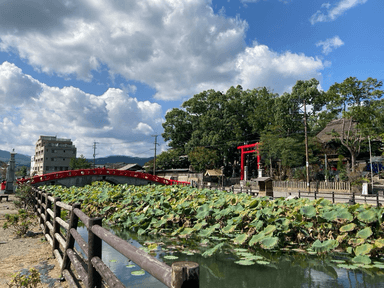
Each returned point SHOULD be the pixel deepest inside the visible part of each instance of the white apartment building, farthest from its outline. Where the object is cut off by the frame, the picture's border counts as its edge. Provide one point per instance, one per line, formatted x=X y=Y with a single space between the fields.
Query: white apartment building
x=52 y=154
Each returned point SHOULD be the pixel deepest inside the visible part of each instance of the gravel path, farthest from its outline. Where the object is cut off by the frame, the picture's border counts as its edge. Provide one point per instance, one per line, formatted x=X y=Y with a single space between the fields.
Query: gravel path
x=22 y=254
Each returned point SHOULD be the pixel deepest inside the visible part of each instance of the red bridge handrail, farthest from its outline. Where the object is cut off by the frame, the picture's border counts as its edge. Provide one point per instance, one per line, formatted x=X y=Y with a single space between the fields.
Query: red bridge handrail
x=100 y=171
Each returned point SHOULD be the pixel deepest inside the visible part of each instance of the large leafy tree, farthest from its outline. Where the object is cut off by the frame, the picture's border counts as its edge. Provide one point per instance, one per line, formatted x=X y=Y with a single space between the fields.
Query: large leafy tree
x=79 y=163
x=220 y=121
x=203 y=158
x=358 y=103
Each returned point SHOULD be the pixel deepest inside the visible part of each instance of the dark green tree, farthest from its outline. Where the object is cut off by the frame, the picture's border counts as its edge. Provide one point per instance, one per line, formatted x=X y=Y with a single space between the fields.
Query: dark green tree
x=79 y=163
x=203 y=158
x=358 y=103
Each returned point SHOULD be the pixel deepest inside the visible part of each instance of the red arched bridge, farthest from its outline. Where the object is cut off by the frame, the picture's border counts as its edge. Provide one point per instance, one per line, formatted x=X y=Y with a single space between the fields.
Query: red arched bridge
x=84 y=177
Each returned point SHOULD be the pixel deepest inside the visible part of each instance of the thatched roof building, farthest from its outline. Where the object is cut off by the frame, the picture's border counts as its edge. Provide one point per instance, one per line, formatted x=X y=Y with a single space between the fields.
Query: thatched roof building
x=326 y=136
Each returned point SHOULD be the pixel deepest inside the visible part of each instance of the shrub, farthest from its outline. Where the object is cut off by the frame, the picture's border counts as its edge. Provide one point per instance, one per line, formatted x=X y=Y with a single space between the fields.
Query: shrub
x=20 y=222
x=29 y=280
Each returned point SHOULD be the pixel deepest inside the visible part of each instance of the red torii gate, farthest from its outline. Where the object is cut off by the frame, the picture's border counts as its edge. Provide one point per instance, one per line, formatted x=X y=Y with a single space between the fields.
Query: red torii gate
x=246 y=149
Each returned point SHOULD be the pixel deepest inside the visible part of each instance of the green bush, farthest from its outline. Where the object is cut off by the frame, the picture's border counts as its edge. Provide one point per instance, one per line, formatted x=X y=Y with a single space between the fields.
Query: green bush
x=20 y=222
x=29 y=280
x=25 y=197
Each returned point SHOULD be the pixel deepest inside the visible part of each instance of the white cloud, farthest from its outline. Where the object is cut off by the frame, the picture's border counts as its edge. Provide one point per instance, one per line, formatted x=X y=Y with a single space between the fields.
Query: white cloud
x=330 y=44
x=258 y=66
x=71 y=113
x=176 y=47
x=334 y=12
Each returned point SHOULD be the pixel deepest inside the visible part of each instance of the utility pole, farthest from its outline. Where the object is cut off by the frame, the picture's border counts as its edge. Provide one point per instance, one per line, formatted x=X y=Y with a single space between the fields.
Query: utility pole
x=370 y=160
x=94 y=154
x=306 y=146
x=154 y=159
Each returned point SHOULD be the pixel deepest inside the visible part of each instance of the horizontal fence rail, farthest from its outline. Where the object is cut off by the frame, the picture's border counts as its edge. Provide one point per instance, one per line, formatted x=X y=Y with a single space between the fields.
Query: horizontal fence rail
x=321 y=185
x=92 y=271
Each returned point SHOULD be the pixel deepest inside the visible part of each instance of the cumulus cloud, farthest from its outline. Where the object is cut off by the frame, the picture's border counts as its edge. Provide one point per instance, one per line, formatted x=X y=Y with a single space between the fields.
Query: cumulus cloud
x=175 y=47
x=333 y=12
x=37 y=109
x=259 y=66
x=330 y=44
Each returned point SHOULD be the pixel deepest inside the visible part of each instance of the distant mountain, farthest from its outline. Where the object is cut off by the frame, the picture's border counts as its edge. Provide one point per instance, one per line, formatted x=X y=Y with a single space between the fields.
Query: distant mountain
x=117 y=159
x=20 y=159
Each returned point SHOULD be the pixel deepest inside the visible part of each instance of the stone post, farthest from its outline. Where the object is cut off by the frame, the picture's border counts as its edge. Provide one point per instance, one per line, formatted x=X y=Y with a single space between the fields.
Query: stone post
x=10 y=174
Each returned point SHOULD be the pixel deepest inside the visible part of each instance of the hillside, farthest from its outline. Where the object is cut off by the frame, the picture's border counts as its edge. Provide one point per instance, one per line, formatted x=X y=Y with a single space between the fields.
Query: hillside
x=120 y=158
x=20 y=159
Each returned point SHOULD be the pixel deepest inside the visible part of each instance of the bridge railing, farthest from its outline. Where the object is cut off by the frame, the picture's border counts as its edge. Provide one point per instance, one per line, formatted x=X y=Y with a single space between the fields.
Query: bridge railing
x=92 y=271
x=99 y=171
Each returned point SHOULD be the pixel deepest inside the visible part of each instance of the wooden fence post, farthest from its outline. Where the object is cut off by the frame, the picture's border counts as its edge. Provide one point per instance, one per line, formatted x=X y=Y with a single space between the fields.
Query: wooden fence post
x=315 y=195
x=185 y=274
x=94 y=250
x=48 y=205
x=333 y=196
x=377 y=200
x=70 y=241
x=299 y=194
x=56 y=225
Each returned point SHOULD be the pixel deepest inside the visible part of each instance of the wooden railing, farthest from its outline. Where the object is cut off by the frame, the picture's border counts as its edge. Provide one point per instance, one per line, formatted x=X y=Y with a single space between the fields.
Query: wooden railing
x=318 y=186
x=92 y=271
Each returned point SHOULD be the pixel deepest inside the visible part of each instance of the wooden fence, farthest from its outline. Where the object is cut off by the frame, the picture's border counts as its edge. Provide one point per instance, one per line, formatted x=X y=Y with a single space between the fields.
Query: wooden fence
x=321 y=186
x=371 y=199
x=92 y=271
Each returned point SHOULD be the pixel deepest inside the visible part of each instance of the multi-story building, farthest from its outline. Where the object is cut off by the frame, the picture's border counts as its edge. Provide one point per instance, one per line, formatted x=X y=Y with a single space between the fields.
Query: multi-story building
x=52 y=154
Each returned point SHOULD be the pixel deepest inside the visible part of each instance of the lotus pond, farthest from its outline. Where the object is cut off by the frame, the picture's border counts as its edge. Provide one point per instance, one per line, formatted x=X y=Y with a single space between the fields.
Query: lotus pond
x=244 y=238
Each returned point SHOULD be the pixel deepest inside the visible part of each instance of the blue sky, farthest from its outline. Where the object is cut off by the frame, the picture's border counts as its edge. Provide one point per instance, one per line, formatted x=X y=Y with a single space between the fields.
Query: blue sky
x=108 y=71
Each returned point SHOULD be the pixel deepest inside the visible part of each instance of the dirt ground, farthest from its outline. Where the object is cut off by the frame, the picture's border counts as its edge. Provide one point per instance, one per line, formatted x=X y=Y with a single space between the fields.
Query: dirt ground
x=22 y=254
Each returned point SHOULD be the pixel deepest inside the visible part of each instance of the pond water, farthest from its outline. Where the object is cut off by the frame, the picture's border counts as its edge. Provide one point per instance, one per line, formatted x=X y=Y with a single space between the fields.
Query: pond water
x=221 y=271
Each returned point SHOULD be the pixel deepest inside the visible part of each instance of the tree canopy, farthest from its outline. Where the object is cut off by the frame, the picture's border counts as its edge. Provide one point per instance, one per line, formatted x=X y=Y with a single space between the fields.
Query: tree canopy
x=212 y=124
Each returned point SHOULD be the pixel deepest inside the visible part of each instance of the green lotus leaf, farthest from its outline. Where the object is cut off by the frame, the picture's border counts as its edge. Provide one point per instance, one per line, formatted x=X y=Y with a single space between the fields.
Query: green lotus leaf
x=269 y=229
x=253 y=203
x=256 y=239
x=263 y=262
x=363 y=249
x=347 y=266
x=200 y=225
x=258 y=224
x=207 y=232
x=362 y=259
x=245 y=262
x=325 y=246
x=344 y=215
x=269 y=242
x=228 y=229
x=152 y=246
x=349 y=250
x=338 y=261
x=367 y=216
x=379 y=243
x=130 y=266
x=365 y=233
x=308 y=211
x=171 y=257
x=379 y=265
x=356 y=241
x=330 y=215
x=186 y=231
x=213 y=250
x=348 y=227
x=203 y=211
x=138 y=272
x=240 y=239
x=249 y=256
